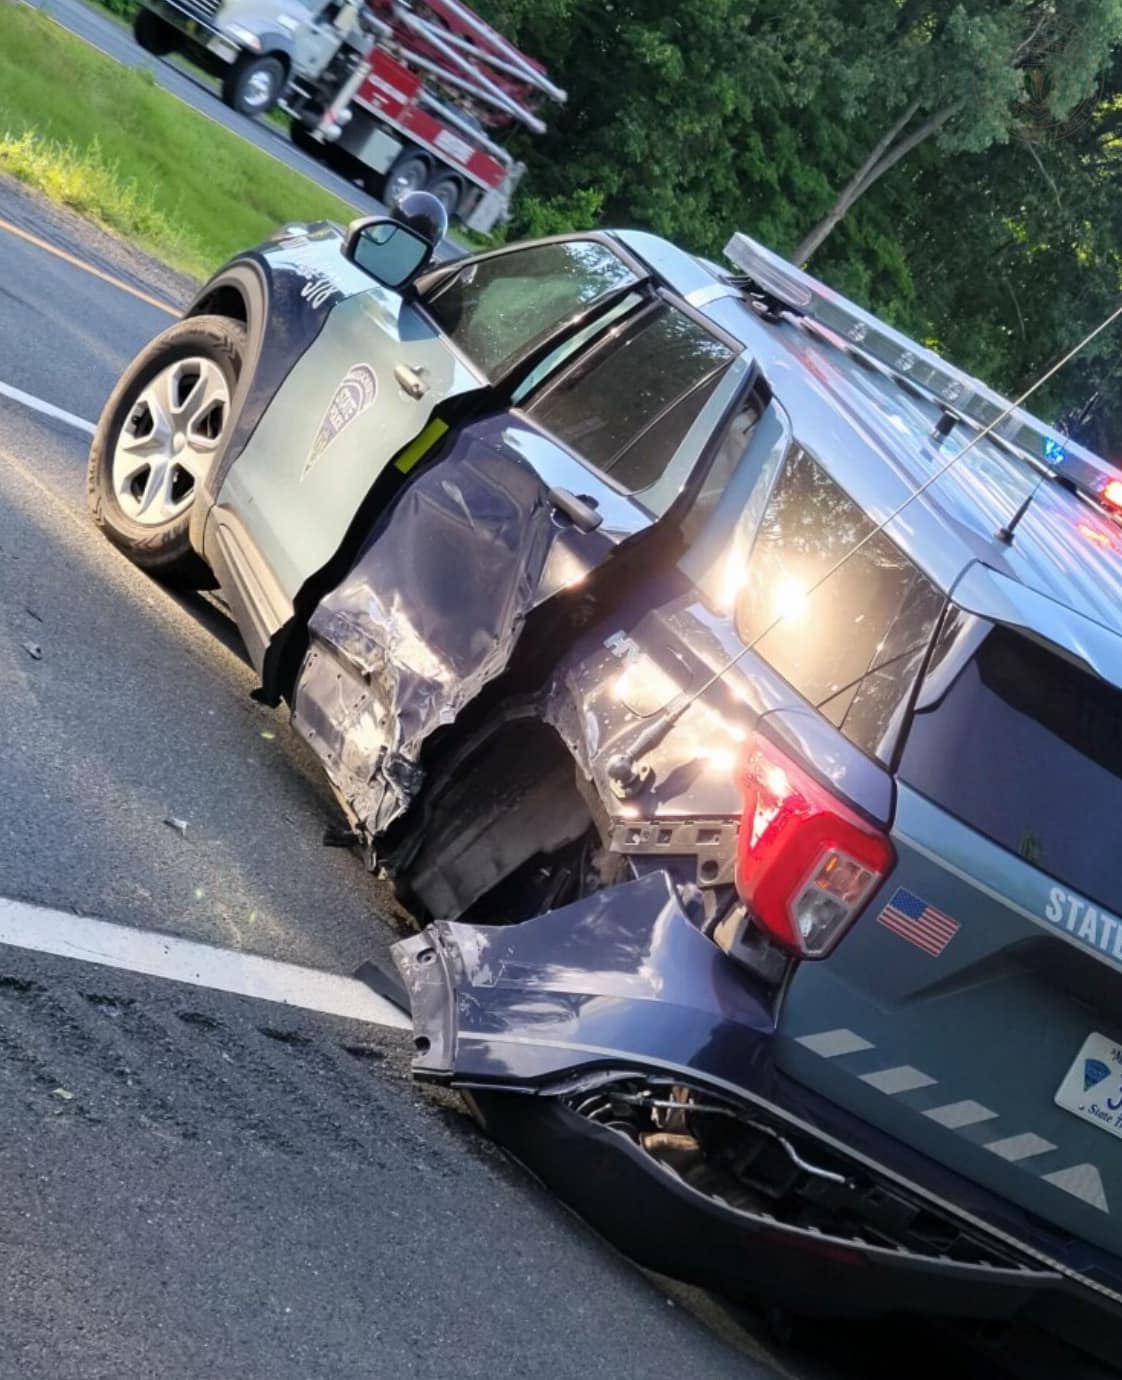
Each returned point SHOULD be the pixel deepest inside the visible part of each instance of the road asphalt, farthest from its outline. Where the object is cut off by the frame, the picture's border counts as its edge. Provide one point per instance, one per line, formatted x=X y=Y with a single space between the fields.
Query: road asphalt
x=198 y=1184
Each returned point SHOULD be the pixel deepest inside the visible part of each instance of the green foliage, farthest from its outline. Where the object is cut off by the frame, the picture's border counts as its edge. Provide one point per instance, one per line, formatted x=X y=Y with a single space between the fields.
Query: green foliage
x=534 y=217
x=997 y=238
x=86 y=181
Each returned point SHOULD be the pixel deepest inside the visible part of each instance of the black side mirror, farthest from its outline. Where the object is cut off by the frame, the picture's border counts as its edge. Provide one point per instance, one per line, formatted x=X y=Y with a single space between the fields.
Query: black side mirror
x=390 y=252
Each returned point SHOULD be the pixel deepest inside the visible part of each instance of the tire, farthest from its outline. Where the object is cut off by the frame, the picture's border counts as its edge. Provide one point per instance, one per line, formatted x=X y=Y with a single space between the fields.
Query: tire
x=301 y=137
x=156 y=439
x=409 y=173
x=254 y=84
x=448 y=190
x=153 y=34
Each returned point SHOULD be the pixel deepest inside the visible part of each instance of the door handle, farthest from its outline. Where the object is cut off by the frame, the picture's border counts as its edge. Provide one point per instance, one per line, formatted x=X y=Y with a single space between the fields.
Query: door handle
x=581 y=511
x=410 y=381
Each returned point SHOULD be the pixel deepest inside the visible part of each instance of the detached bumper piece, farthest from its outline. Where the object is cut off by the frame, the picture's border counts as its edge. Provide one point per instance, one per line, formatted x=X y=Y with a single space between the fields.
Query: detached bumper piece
x=627 y=1061
x=623 y=973
x=695 y=1189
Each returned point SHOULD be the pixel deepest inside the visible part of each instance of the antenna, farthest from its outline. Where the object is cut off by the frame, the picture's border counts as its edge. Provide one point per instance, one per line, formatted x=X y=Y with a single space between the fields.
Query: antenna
x=1005 y=534
x=622 y=772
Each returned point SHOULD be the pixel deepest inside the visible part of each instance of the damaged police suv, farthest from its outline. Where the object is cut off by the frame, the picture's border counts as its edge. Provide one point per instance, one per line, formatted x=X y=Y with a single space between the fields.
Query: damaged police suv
x=734 y=690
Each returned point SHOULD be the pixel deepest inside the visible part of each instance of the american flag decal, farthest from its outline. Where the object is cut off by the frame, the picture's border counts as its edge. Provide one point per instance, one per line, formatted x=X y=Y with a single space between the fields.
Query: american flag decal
x=909 y=916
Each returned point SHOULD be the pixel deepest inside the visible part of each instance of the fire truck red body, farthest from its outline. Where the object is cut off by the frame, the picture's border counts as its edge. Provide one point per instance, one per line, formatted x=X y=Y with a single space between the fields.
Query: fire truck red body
x=395 y=94
x=404 y=96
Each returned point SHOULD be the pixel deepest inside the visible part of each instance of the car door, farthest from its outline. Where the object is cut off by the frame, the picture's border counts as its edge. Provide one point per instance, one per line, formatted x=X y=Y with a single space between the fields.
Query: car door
x=521 y=504
x=367 y=387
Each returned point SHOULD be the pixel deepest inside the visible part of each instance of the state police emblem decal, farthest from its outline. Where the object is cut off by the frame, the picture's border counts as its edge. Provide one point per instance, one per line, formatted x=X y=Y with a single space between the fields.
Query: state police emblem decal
x=354 y=395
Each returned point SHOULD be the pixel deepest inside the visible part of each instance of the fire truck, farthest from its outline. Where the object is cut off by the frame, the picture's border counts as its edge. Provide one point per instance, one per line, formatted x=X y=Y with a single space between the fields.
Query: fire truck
x=394 y=95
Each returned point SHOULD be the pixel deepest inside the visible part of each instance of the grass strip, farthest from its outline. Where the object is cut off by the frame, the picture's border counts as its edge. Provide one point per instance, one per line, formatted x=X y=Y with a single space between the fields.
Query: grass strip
x=105 y=140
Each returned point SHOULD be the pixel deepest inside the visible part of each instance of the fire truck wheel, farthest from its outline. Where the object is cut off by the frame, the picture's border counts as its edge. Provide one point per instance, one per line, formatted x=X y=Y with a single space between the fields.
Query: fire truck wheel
x=254 y=84
x=408 y=174
x=301 y=136
x=153 y=34
x=448 y=191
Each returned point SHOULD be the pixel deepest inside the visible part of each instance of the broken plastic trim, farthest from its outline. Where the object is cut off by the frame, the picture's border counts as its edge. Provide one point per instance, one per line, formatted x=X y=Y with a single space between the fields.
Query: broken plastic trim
x=745 y=1161
x=633 y=1194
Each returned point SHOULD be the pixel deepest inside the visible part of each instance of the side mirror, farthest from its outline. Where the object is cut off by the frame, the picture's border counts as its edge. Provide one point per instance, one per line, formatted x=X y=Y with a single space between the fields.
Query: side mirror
x=390 y=252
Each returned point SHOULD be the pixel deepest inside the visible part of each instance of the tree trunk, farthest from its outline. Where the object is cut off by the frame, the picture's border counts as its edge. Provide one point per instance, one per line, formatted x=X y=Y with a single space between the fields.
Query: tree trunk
x=887 y=153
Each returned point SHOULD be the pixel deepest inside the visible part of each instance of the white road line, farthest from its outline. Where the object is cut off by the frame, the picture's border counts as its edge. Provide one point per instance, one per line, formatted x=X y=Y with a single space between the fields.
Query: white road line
x=46 y=408
x=183 y=960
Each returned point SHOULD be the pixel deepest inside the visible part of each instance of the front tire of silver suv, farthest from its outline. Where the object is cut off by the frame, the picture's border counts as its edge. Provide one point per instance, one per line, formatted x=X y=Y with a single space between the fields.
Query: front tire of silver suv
x=157 y=439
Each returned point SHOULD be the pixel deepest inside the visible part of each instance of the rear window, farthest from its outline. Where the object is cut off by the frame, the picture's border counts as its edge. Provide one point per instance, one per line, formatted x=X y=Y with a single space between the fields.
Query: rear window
x=626 y=406
x=855 y=645
x=1027 y=748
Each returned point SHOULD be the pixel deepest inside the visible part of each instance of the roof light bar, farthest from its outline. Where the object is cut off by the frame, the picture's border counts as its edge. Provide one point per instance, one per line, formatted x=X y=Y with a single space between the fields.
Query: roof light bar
x=956 y=390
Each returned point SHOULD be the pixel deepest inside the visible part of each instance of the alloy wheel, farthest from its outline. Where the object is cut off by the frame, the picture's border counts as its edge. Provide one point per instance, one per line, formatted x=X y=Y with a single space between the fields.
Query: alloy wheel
x=169 y=440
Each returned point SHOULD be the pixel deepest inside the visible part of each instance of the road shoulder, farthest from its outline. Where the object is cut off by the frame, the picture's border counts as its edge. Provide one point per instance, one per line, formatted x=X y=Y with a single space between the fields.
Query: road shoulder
x=71 y=233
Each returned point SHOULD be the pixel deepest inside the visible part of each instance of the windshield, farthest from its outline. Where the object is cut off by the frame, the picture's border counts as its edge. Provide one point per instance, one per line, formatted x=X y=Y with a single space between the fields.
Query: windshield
x=1027 y=748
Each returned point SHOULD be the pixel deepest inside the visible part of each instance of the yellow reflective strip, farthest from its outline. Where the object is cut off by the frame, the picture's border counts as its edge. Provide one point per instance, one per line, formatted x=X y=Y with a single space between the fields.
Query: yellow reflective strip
x=86 y=268
x=418 y=449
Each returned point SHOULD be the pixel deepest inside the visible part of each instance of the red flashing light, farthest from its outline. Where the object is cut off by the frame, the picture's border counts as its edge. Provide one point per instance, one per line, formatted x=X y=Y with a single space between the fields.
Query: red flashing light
x=1111 y=495
x=806 y=863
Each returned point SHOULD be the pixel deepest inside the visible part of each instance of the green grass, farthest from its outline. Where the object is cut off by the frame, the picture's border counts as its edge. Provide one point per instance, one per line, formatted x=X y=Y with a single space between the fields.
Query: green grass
x=105 y=140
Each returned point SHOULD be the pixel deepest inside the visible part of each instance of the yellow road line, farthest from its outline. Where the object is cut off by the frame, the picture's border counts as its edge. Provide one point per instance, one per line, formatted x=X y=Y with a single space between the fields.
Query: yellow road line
x=86 y=268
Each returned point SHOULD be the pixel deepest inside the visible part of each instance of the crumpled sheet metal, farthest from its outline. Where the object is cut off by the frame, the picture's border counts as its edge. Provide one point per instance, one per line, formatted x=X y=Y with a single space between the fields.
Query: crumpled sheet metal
x=403 y=644
x=622 y=976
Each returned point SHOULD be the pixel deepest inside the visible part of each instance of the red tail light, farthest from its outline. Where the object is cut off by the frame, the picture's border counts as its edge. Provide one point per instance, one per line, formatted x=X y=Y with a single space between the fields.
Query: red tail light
x=806 y=863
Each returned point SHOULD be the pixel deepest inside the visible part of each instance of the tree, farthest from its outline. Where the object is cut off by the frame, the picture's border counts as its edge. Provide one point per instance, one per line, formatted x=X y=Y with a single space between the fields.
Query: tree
x=995 y=237
x=691 y=117
x=969 y=73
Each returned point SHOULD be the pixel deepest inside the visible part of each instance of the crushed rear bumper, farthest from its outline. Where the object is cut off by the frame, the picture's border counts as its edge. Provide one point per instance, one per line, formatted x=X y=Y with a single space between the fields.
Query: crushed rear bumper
x=662 y=1222
x=604 y=1042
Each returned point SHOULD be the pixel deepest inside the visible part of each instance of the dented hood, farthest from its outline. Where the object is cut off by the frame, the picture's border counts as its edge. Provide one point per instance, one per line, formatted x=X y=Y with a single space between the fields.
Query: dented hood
x=621 y=977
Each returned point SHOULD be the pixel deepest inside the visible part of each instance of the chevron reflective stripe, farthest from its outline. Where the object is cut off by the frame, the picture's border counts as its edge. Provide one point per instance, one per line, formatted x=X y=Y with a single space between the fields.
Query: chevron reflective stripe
x=1022 y=1147
x=898 y=1080
x=833 y=1043
x=1082 y=1181
x=955 y=1115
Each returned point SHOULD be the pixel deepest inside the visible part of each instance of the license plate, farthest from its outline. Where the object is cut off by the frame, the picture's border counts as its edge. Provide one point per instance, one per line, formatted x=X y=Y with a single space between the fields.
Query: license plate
x=220 y=48
x=1092 y=1087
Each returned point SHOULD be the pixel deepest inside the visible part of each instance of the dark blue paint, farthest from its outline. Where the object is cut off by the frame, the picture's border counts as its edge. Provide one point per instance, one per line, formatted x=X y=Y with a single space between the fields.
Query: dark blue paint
x=624 y=980
x=283 y=323
x=622 y=977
